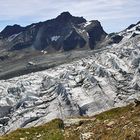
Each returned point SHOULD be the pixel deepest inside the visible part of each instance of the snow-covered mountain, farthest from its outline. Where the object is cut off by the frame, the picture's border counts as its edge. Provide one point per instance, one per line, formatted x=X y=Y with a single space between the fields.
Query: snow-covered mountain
x=101 y=80
x=132 y=31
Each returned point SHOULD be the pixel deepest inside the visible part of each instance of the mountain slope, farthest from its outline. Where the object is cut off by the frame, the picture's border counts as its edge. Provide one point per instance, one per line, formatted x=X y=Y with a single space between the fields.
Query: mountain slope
x=116 y=124
x=101 y=80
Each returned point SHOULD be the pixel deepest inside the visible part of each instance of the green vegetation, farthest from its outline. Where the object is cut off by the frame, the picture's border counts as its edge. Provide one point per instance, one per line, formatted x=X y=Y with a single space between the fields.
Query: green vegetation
x=114 y=113
x=116 y=124
x=49 y=131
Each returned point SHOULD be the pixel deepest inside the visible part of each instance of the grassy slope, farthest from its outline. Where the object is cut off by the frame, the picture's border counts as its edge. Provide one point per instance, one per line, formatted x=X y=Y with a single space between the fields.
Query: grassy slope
x=50 y=131
x=116 y=124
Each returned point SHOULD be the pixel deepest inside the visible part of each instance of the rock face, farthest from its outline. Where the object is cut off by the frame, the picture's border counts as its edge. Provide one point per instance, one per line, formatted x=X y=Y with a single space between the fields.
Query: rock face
x=34 y=43
x=54 y=35
x=10 y=30
x=98 y=82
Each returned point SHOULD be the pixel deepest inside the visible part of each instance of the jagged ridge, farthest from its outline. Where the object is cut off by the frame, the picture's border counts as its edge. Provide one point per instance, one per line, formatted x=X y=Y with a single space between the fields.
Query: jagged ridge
x=56 y=34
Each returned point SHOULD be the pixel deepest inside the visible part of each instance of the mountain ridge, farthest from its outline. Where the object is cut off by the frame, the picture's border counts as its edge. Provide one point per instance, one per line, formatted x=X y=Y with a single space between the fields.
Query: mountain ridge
x=42 y=34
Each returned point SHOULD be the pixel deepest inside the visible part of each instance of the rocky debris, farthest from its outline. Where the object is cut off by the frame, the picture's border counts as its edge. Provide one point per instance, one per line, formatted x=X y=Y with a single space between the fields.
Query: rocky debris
x=4 y=120
x=22 y=138
x=85 y=136
x=116 y=38
x=5 y=110
x=76 y=121
x=137 y=102
x=4 y=57
x=110 y=124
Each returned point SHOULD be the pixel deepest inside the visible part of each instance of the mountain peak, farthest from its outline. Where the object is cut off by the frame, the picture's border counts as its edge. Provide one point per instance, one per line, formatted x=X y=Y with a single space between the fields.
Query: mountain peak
x=67 y=17
x=55 y=34
x=65 y=14
x=10 y=30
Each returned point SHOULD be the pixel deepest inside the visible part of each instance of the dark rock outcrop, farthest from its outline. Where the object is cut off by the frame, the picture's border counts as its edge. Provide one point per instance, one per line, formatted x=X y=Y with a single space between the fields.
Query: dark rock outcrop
x=64 y=33
x=10 y=30
x=96 y=33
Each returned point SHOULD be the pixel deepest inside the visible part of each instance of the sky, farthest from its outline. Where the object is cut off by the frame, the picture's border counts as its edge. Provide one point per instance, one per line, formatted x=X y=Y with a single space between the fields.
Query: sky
x=114 y=15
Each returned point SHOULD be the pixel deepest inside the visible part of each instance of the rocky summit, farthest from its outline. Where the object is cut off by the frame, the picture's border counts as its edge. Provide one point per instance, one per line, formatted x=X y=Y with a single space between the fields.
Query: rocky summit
x=63 y=33
x=65 y=67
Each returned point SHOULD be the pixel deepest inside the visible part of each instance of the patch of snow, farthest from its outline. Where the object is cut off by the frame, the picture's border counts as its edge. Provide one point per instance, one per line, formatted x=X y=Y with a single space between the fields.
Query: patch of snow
x=87 y=34
x=55 y=38
x=44 y=52
x=13 y=37
x=133 y=28
x=81 y=31
x=80 y=96
x=108 y=47
x=33 y=26
x=137 y=32
x=87 y=23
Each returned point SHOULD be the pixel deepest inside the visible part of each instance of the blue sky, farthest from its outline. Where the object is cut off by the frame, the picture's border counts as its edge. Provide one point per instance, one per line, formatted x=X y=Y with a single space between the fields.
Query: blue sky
x=114 y=15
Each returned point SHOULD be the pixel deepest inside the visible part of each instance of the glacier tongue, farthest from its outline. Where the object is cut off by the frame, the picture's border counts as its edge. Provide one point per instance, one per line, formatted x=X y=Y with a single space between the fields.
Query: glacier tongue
x=93 y=84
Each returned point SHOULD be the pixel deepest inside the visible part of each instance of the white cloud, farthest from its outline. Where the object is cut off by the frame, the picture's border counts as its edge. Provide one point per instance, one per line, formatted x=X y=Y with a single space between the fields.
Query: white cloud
x=35 y=10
